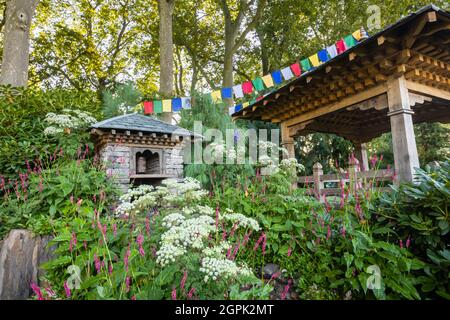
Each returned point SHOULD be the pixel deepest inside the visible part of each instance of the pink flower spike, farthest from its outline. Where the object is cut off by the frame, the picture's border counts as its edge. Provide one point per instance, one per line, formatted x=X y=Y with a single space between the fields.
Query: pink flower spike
x=401 y=243
x=217 y=217
x=191 y=293
x=174 y=294
x=289 y=252
x=408 y=242
x=67 y=290
x=183 y=280
x=147 y=225
x=127 y=284
x=37 y=291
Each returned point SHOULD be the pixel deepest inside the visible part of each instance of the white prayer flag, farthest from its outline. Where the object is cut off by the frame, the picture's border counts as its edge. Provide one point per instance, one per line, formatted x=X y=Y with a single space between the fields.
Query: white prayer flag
x=287 y=73
x=332 y=51
x=238 y=93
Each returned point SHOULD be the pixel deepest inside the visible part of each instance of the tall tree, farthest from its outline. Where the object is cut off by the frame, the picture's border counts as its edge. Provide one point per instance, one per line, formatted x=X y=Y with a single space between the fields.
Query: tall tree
x=165 y=8
x=18 y=17
x=234 y=37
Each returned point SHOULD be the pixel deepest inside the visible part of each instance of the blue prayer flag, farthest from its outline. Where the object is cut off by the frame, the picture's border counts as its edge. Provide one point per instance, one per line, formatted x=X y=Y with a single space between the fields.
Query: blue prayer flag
x=323 y=55
x=176 y=104
x=276 y=76
x=227 y=93
x=237 y=108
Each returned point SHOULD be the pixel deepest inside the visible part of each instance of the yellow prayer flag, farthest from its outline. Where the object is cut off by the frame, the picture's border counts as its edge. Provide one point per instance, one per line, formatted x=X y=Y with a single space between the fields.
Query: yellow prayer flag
x=245 y=105
x=314 y=60
x=167 y=105
x=268 y=81
x=357 y=34
x=216 y=96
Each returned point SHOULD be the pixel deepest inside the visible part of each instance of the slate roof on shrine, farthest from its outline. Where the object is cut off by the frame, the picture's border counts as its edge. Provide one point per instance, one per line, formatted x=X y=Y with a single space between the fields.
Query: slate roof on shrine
x=139 y=122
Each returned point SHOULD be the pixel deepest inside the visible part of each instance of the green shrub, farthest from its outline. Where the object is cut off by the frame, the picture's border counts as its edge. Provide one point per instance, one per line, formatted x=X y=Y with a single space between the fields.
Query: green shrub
x=22 y=122
x=417 y=215
x=159 y=244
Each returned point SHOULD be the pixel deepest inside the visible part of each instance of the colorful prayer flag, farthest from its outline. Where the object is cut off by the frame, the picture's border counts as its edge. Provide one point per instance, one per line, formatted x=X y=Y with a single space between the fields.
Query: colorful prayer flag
x=247 y=87
x=332 y=51
x=323 y=55
x=287 y=73
x=306 y=66
x=216 y=96
x=237 y=90
x=350 y=41
x=314 y=60
x=167 y=105
x=186 y=102
x=245 y=105
x=227 y=93
x=267 y=79
x=340 y=46
x=176 y=104
x=296 y=69
x=157 y=106
x=276 y=76
x=357 y=35
x=258 y=84
x=148 y=107
x=230 y=110
x=237 y=108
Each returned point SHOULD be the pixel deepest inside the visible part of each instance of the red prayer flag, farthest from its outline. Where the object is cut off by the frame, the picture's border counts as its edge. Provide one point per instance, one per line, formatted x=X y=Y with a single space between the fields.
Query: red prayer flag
x=247 y=87
x=340 y=46
x=296 y=69
x=148 y=107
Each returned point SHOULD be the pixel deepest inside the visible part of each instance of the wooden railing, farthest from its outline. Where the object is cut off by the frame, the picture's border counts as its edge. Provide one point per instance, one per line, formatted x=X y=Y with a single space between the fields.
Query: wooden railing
x=352 y=178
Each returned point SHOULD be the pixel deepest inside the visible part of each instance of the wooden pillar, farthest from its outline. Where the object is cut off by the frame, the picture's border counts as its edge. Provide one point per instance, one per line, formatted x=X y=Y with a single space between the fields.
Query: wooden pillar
x=403 y=140
x=287 y=142
x=318 y=183
x=361 y=155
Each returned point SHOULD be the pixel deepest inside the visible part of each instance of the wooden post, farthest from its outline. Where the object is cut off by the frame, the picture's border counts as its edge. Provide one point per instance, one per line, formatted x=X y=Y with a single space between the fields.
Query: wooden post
x=403 y=139
x=361 y=155
x=353 y=168
x=287 y=142
x=318 y=184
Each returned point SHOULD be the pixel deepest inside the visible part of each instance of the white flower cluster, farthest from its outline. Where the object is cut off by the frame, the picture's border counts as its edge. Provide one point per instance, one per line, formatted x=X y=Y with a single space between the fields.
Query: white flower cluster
x=138 y=205
x=270 y=146
x=171 y=192
x=202 y=210
x=51 y=131
x=71 y=119
x=291 y=164
x=136 y=192
x=173 y=219
x=242 y=221
x=217 y=251
x=214 y=268
x=189 y=233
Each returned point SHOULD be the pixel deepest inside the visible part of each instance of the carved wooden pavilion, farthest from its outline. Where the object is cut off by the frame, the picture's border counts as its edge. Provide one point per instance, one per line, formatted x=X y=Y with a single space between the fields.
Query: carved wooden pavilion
x=390 y=81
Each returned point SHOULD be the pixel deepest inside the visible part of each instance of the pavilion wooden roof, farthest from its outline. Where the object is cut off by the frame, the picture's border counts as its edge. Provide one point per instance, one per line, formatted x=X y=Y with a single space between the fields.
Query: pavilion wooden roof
x=347 y=95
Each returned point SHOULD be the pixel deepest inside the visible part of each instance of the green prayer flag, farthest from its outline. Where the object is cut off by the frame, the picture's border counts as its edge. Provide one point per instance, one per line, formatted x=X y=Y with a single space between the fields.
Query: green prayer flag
x=157 y=106
x=350 y=41
x=306 y=66
x=258 y=84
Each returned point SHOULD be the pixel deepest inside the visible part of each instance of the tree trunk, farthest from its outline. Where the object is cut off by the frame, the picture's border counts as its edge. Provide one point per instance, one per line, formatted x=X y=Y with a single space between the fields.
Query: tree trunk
x=19 y=14
x=165 y=8
x=230 y=40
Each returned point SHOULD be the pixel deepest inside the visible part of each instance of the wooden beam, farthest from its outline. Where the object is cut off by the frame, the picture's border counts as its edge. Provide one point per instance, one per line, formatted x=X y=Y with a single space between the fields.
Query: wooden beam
x=428 y=90
x=416 y=29
x=364 y=95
